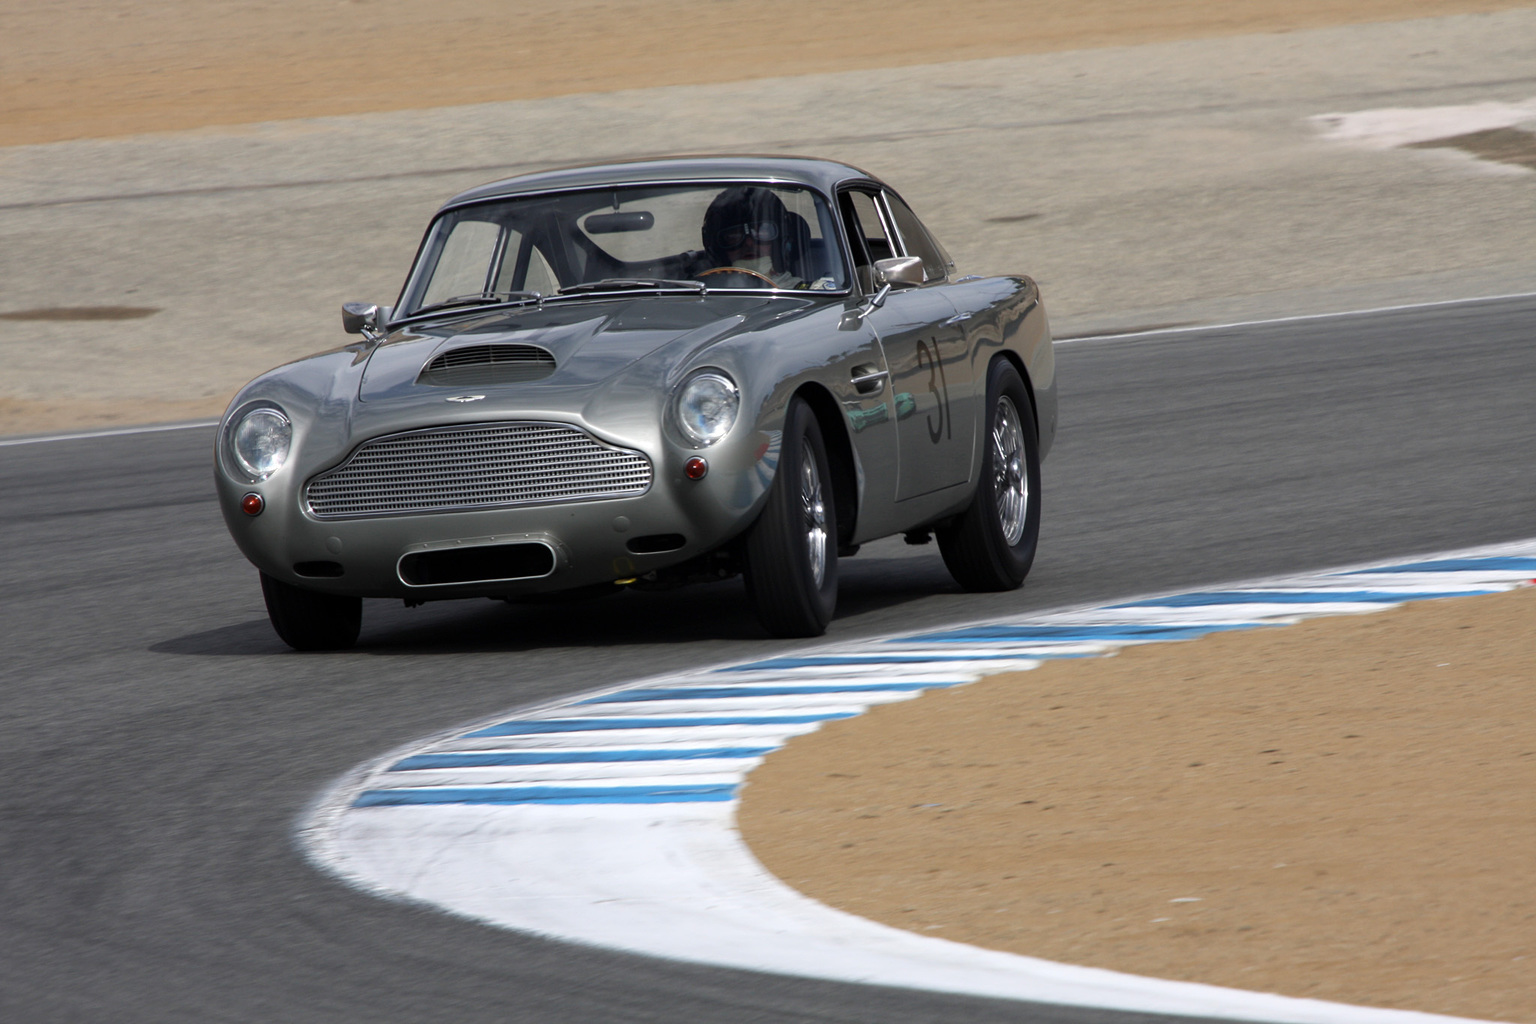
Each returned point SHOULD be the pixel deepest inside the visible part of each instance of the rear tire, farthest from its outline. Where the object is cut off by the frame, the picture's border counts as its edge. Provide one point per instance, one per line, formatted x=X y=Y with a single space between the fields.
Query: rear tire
x=991 y=545
x=309 y=621
x=791 y=551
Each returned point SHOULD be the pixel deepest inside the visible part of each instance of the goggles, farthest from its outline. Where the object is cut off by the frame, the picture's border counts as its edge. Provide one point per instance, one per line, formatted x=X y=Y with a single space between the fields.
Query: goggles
x=766 y=231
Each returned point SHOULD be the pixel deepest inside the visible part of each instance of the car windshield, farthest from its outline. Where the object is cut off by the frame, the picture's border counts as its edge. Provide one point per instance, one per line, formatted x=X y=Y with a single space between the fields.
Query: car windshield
x=682 y=238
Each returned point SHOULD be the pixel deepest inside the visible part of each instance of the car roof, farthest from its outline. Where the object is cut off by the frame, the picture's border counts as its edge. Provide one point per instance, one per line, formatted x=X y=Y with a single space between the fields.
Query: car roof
x=822 y=175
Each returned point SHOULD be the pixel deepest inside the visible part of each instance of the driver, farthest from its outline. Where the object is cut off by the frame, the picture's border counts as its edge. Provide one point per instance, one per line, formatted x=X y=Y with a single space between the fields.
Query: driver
x=745 y=228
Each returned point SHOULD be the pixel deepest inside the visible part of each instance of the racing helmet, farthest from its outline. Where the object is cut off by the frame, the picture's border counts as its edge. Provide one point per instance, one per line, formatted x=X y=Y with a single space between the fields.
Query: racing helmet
x=741 y=210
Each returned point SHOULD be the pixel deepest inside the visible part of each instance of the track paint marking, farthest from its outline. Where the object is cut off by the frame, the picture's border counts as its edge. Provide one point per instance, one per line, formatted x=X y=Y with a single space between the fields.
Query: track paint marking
x=703 y=692
x=1232 y=597
x=543 y=795
x=1517 y=565
x=1061 y=634
x=521 y=728
x=122 y=432
x=520 y=758
x=1274 y=321
x=878 y=660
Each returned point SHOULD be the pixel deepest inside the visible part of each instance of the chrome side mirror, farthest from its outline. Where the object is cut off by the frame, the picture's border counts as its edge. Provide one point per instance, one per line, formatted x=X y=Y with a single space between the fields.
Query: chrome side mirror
x=903 y=270
x=357 y=315
x=900 y=270
x=364 y=318
x=853 y=317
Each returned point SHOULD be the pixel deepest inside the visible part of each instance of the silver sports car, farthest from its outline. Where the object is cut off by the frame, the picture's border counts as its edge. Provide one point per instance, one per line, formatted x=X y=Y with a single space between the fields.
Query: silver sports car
x=644 y=375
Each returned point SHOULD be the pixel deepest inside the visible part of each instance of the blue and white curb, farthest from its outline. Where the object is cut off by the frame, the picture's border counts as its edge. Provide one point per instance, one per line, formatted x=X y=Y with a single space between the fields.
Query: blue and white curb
x=609 y=818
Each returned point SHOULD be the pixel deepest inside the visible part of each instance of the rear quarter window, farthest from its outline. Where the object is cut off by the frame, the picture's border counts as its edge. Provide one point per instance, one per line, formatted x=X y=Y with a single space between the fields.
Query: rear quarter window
x=916 y=240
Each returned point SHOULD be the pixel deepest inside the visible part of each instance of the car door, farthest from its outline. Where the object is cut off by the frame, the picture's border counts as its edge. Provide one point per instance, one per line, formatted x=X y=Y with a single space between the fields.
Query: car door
x=926 y=350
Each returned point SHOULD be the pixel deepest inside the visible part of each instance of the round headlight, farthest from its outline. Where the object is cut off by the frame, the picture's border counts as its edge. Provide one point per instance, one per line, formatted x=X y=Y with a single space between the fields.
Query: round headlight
x=707 y=407
x=260 y=442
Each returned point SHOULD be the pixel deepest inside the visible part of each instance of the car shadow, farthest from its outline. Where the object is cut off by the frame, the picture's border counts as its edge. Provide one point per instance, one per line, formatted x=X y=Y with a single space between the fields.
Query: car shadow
x=873 y=584
x=714 y=612
x=711 y=612
x=241 y=639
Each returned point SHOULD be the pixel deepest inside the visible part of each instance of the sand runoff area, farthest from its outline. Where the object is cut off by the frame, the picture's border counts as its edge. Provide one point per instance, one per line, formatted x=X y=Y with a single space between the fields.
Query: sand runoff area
x=1341 y=809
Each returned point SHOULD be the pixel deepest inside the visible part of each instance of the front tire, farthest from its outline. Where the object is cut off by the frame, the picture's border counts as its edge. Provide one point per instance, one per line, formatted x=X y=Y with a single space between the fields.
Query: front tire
x=308 y=621
x=991 y=545
x=791 y=551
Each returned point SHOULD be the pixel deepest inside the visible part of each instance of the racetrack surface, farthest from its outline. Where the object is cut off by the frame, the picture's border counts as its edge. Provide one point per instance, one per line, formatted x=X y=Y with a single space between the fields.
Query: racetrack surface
x=155 y=772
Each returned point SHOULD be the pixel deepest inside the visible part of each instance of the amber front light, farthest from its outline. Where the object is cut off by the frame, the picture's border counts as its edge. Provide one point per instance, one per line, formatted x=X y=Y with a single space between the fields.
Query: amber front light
x=252 y=504
x=695 y=468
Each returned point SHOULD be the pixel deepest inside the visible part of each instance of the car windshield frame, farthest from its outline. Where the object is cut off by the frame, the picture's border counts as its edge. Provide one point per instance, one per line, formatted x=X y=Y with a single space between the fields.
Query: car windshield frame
x=626 y=238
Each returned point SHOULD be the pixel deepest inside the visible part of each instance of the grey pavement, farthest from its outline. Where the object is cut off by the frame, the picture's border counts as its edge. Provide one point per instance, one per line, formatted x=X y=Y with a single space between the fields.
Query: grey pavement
x=1173 y=183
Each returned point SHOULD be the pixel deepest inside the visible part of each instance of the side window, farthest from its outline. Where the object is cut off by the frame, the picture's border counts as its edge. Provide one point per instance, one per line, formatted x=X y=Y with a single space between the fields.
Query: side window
x=872 y=226
x=464 y=261
x=916 y=240
x=866 y=231
x=540 y=276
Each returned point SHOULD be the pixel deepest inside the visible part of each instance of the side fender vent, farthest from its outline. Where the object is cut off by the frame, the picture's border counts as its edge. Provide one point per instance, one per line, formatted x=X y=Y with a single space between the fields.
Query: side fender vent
x=487 y=365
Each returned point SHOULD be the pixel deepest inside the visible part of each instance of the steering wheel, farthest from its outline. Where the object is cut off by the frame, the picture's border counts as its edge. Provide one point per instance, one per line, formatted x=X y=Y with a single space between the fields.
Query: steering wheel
x=737 y=270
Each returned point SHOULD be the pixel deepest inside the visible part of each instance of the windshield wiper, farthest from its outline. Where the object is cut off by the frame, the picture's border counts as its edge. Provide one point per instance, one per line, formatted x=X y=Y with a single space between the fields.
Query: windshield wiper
x=614 y=284
x=480 y=299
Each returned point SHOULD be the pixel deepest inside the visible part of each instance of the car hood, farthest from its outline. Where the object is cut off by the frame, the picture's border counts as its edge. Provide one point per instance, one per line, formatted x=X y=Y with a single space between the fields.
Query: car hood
x=590 y=341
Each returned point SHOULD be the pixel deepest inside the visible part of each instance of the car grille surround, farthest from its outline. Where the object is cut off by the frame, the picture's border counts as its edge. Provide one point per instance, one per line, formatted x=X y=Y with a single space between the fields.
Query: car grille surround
x=487 y=365
x=469 y=467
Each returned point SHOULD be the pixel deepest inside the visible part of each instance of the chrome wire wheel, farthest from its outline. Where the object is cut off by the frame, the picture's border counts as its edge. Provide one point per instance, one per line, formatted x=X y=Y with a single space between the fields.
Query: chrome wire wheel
x=991 y=545
x=790 y=552
x=1010 y=479
x=814 y=512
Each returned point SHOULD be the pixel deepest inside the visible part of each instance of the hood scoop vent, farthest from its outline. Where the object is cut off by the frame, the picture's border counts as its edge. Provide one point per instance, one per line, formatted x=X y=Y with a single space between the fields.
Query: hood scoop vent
x=487 y=365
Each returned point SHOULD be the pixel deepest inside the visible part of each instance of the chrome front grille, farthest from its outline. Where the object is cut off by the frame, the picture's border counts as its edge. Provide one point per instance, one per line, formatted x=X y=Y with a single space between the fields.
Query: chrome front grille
x=476 y=466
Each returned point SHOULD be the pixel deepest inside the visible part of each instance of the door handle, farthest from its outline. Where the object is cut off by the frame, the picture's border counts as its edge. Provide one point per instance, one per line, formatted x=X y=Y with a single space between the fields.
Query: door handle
x=958 y=318
x=869 y=379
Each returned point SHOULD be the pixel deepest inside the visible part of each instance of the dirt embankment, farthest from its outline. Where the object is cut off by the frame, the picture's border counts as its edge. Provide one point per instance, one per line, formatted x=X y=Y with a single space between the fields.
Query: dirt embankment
x=114 y=67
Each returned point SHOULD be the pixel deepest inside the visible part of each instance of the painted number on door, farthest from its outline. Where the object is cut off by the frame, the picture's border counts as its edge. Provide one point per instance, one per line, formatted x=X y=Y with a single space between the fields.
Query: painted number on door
x=939 y=387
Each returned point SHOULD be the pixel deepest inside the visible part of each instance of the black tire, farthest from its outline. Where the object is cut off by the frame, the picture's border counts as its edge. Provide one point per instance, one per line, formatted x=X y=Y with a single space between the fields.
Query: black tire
x=307 y=621
x=796 y=532
x=991 y=545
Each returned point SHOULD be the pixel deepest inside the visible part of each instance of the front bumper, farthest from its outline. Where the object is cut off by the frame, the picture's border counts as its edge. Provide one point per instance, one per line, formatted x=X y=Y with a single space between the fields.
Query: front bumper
x=589 y=542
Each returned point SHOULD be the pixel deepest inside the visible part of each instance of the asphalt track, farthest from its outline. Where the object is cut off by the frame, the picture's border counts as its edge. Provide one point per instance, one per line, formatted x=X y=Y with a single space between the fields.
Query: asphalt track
x=158 y=742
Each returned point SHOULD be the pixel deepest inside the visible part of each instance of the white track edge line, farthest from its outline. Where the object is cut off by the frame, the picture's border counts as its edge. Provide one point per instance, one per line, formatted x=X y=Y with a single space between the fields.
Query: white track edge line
x=158 y=428
x=1298 y=318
